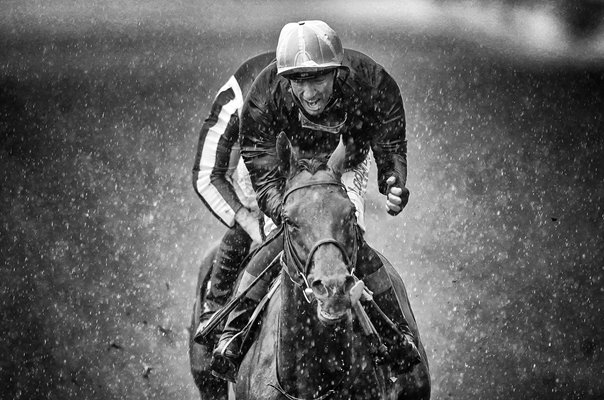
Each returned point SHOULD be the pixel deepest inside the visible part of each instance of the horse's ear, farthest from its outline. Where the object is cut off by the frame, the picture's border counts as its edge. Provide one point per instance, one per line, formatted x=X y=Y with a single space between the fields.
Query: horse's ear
x=286 y=155
x=336 y=160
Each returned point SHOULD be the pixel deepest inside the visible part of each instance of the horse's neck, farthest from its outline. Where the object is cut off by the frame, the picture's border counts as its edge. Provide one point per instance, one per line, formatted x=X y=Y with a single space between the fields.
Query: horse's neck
x=311 y=356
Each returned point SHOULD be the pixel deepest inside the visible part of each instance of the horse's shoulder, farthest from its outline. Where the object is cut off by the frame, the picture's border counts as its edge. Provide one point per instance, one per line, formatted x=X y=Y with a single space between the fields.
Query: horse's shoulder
x=401 y=293
x=393 y=274
x=258 y=364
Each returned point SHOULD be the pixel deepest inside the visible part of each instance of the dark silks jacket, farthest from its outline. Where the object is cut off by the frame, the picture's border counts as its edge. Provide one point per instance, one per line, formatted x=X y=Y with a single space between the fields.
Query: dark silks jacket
x=366 y=98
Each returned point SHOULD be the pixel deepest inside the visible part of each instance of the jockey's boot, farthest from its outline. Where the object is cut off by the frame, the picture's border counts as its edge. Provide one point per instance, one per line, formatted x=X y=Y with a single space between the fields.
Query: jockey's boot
x=400 y=350
x=226 y=265
x=227 y=354
x=209 y=308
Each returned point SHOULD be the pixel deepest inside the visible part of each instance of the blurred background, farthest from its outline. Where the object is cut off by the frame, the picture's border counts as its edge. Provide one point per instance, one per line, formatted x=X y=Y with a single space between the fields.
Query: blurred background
x=101 y=233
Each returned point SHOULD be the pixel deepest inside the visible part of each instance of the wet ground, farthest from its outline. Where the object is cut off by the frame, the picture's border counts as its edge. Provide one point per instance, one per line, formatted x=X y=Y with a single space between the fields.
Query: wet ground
x=501 y=246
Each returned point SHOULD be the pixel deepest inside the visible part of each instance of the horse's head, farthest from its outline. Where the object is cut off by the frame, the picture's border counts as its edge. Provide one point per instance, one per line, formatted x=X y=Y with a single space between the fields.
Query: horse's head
x=320 y=231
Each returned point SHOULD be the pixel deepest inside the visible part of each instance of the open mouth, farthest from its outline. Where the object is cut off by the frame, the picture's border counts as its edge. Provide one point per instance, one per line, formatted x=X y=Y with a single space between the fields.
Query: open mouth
x=312 y=106
x=330 y=318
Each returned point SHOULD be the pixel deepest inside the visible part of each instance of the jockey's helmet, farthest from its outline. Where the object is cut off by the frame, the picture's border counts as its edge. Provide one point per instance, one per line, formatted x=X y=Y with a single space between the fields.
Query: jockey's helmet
x=307 y=48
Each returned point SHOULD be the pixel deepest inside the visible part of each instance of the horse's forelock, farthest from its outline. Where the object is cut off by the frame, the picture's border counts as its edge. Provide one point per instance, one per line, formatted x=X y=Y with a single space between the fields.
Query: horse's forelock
x=312 y=165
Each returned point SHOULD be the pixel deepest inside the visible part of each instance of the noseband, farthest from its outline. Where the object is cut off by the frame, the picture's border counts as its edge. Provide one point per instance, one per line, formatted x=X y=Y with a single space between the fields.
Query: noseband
x=303 y=267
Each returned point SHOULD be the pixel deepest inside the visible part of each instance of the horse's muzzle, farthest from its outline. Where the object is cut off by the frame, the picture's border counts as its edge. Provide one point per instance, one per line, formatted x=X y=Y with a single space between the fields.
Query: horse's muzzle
x=331 y=314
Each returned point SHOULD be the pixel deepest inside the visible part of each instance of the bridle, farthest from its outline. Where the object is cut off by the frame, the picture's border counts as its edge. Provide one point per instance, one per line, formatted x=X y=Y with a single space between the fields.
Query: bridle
x=303 y=269
x=292 y=256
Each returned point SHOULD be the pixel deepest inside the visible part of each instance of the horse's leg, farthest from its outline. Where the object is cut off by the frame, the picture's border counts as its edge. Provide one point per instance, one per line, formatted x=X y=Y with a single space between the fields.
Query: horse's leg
x=200 y=355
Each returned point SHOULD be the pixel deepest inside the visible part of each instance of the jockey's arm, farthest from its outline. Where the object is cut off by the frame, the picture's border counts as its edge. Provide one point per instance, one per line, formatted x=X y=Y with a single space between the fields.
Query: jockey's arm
x=258 y=149
x=216 y=157
x=219 y=176
x=389 y=144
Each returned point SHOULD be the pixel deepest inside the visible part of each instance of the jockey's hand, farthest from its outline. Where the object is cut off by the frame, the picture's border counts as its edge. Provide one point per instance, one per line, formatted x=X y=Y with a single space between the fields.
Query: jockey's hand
x=250 y=222
x=396 y=198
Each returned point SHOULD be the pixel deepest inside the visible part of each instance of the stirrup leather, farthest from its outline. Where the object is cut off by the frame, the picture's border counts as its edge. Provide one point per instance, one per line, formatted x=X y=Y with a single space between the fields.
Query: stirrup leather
x=228 y=344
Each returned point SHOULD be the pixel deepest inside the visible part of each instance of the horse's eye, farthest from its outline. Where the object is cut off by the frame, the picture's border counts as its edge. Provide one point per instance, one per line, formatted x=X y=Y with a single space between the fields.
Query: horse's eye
x=348 y=219
x=352 y=217
x=290 y=223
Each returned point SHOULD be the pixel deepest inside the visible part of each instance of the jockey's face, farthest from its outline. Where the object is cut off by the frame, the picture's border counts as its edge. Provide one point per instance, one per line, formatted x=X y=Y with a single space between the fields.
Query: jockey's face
x=314 y=93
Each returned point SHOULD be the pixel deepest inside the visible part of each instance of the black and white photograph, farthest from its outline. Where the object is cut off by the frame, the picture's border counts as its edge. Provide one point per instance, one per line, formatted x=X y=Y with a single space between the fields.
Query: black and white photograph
x=302 y=200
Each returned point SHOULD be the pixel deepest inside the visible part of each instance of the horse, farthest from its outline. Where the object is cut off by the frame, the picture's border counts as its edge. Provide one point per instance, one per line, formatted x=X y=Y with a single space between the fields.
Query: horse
x=200 y=355
x=311 y=343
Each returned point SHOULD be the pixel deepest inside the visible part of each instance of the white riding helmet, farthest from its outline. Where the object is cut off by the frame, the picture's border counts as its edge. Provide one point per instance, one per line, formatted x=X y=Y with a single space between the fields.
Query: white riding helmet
x=308 y=47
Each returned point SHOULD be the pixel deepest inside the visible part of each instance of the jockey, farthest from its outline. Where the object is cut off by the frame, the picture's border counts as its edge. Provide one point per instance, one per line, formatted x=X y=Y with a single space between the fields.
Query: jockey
x=321 y=96
x=222 y=181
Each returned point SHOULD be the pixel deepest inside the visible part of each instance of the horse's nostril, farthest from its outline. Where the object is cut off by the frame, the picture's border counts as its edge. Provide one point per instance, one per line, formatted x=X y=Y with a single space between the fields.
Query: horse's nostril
x=319 y=288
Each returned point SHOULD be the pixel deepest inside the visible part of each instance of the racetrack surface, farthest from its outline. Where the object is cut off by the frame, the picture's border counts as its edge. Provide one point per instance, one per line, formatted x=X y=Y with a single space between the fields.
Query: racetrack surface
x=501 y=245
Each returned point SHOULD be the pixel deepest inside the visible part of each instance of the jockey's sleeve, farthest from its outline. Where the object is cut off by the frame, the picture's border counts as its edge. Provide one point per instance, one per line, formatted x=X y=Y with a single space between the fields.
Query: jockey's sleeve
x=355 y=180
x=218 y=148
x=389 y=142
x=218 y=134
x=258 y=148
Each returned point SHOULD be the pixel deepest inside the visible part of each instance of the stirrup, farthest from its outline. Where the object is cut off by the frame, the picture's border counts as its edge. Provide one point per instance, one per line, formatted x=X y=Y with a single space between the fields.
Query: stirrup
x=402 y=355
x=400 y=351
x=409 y=361
x=224 y=365
x=224 y=369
